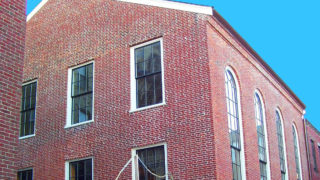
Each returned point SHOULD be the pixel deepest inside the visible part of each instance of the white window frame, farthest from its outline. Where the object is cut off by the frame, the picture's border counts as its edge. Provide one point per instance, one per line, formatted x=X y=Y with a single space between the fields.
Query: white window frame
x=284 y=143
x=133 y=83
x=35 y=112
x=69 y=98
x=26 y=169
x=266 y=132
x=298 y=144
x=242 y=154
x=67 y=166
x=134 y=152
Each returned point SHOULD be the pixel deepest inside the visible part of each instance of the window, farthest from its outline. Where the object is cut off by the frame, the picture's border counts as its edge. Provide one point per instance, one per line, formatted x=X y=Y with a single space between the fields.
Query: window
x=80 y=95
x=314 y=156
x=147 y=86
x=296 y=152
x=152 y=159
x=25 y=175
x=235 y=132
x=262 y=144
x=28 y=109
x=79 y=170
x=281 y=146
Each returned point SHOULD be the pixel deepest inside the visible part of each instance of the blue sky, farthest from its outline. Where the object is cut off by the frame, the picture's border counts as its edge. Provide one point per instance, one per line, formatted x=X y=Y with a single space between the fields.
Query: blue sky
x=285 y=34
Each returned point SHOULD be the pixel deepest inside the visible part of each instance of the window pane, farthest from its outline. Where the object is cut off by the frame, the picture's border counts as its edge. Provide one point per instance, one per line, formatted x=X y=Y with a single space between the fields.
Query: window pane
x=139 y=54
x=141 y=92
x=158 y=88
x=81 y=170
x=150 y=90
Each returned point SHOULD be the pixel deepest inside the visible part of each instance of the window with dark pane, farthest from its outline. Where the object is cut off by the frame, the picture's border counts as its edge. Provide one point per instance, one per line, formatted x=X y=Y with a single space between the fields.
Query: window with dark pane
x=154 y=159
x=81 y=93
x=281 y=146
x=314 y=156
x=148 y=75
x=25 y=175
x=233 y=123
x=296 y=153
x=80 y=170
x=28 y=109
x=261 y=137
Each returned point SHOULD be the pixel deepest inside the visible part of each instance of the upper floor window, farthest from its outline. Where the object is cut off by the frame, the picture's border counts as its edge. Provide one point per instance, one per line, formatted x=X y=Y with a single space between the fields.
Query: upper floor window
x=281 y=146
x=147 y=84
x=314 y=156
x=296 y=152
x=262 y=140
x=234 y=124
x=80 y=95
x=28 y=109
x=25 y=174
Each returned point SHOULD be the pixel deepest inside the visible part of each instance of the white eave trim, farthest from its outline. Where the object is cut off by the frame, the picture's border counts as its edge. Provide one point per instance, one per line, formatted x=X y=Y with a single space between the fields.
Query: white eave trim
x=36 y=9
x=174 y=5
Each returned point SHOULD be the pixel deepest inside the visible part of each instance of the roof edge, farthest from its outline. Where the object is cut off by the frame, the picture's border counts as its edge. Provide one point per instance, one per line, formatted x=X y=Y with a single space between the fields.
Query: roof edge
x=208 y=10
x=36 y=9
x=246 y=45
x=312 y=126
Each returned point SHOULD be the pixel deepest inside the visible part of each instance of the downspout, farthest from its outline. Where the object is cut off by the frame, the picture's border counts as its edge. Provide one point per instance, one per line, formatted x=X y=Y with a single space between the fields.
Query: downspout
x=307 y=147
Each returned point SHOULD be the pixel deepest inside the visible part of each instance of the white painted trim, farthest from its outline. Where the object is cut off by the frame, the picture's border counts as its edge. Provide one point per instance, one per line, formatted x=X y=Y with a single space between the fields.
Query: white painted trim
x=266 y=132
x=36 y=9
x=134 y=152
x=242 y=154
x=69 y=99
x=35 y=112
x=298 y=144
x=174 y=5
x=133 y=100
x=284 y=142
x=67 y=166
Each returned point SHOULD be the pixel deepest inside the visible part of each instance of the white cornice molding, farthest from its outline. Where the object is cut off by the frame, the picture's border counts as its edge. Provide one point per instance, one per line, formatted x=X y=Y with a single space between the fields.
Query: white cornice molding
x=36 y=9
x=174 y=5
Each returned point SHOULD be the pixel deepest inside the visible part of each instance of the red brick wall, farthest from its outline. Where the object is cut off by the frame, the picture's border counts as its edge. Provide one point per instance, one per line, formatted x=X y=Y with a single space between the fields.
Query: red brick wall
x=12 y=36
x=225 y=51
x=65 y=33
x=314 y=135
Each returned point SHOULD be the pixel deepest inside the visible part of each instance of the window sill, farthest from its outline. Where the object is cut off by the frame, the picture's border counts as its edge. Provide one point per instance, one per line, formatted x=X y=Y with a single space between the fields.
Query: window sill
x=147 y=107
x=78 y=124
x=26 y=137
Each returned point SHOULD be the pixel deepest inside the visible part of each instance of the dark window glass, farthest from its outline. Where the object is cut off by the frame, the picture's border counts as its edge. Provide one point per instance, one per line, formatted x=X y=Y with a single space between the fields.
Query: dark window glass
x=296 y=153
x=314 y=156
x=154 y=159
x=233 y=123
x=281 y=146
x=261 y=137
x=81 y=93
x=148 y=75
x=81 y=170
x=25 y=175
x=28 y=107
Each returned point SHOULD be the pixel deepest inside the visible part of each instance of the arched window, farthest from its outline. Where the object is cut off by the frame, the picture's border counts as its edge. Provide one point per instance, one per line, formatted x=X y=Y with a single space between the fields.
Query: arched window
x=296 y=152
x=234 y=123
x=281 y=146
x=262 y=140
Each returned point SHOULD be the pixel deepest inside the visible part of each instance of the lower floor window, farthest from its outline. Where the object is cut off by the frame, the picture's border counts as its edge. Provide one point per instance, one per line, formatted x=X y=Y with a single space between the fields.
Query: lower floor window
x=80 y=170
x=25 y=175
x=152 y=163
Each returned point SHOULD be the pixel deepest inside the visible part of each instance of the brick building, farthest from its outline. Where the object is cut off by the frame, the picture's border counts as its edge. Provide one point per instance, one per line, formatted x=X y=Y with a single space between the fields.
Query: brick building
x=171 y=82
x=314 y=150
x=12 y=38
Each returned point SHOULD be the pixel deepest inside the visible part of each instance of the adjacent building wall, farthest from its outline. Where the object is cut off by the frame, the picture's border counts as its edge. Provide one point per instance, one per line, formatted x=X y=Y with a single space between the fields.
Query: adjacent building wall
x=12 y=36
x=314 y=135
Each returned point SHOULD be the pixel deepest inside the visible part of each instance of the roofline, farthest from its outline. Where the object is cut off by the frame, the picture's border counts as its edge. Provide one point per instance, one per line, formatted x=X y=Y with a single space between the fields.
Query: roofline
x=243 y=42
x=208 y=10
x=36 y=9
x=311 y=125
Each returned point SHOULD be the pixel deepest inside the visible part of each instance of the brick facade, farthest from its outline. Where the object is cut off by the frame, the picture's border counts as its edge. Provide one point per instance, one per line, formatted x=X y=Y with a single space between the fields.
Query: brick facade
x=12 y=36
x=193 y=122
x=314 y=135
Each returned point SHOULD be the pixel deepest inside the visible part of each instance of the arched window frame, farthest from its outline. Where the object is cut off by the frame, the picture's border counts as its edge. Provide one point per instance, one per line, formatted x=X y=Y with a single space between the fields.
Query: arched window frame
x=242 y=154
x=284 y=142
x=258 y=94
x=298 y=145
